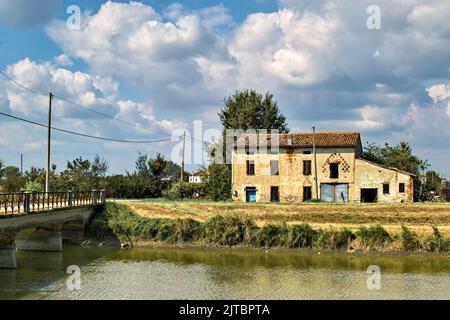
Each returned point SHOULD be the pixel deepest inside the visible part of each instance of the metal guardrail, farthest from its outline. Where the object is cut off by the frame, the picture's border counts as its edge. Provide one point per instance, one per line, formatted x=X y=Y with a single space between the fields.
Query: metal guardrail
x=24 y=203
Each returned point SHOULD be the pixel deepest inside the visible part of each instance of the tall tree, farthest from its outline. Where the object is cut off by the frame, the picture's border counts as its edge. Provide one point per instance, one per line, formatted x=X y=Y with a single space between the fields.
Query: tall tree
x=244 y=110
x=248 y=109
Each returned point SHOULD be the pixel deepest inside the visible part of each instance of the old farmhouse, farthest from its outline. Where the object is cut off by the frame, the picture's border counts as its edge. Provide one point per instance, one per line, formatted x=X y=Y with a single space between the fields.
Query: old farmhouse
x=282 y=168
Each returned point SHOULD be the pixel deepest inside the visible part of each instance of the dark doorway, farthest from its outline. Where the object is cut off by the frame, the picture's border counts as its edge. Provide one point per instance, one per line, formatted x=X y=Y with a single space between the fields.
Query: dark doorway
x=369 y=195
x=307 y=193
x=274 y=194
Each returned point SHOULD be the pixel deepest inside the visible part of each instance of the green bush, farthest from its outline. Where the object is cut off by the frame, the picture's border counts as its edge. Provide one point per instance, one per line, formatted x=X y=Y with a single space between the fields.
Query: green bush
x=373 y=236
x=228 y=230
x=301 y=236
x=34 y=186
x=409 y=239
x=437 y=242
x=186 y=230
x=333 y=239
x=183 y=190
x=271 y=235
x=218 y=182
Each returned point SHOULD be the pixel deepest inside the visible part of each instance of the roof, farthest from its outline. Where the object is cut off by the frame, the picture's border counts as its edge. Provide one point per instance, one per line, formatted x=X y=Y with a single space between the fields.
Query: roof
x=199 y=173
x=322 y=139
x=386 y=167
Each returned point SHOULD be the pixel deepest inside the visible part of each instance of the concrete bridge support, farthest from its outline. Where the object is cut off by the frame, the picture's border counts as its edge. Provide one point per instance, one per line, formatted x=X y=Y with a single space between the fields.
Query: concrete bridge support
x=46 y=238
x=40 y=232
x=7 y=252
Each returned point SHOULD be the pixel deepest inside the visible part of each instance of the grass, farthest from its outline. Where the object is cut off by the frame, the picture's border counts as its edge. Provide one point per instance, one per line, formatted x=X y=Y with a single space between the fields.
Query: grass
x=418 y=217
x=121 y=221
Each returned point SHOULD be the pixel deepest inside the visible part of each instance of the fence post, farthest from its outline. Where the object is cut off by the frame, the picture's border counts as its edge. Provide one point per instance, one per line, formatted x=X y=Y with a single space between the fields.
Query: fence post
x=26 y=202
x=70 y=199
x=94 y=197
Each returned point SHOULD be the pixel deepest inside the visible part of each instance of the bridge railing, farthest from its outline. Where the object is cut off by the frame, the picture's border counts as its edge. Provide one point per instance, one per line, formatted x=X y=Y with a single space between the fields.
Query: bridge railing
x=23 y=203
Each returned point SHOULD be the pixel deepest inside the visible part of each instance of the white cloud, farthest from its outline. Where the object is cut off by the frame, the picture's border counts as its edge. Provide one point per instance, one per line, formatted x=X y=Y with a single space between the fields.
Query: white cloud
x=317 y=56
x=63 y=60
x=439 y=92
x=98 y=93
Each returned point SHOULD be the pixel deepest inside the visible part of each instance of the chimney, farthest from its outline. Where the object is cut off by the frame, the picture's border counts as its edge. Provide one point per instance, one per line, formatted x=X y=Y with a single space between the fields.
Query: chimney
x=289 y=142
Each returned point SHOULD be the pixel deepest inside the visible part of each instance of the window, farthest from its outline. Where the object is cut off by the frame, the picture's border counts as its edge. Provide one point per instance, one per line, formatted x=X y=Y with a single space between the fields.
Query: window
x=334 y=170
x=385 y=188
x=274 y=170
x=249 y=152
x=306 y=151
x=250 y=167
x=401 y=187
x=274 y=150
x=274 y=194
x=306 y=167
x=307 y=193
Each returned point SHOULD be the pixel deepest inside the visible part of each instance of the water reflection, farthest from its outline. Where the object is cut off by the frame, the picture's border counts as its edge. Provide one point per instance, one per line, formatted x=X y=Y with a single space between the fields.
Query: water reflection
x=188 y=273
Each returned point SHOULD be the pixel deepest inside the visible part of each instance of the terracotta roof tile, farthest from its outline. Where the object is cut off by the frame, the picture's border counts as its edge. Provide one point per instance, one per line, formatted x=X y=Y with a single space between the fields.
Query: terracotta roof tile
x=322 y=139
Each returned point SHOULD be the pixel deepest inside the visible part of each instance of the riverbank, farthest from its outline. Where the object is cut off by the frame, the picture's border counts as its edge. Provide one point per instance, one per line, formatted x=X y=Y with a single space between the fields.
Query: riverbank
x=126 y=224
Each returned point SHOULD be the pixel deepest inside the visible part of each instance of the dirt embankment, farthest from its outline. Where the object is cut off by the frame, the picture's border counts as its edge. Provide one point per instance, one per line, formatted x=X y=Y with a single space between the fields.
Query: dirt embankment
x=419 y=217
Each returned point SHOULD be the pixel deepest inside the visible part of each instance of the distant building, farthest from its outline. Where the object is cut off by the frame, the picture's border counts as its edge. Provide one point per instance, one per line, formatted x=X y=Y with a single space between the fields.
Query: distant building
x=197 y=177
x=284 y=170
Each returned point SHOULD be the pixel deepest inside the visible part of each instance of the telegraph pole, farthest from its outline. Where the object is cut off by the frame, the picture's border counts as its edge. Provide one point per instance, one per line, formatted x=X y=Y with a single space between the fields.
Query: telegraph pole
x=49 y=133
x=21 y=164
x=315 y=163
x=182 y=159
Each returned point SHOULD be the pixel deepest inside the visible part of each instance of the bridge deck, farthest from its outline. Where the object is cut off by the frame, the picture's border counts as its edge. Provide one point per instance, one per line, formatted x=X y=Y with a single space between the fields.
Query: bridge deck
x=23 y=203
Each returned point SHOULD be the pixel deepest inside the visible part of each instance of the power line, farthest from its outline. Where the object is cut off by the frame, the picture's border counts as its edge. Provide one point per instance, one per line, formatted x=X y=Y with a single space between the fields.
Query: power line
x=92 y=110
x=21 y=85
x=83 y=134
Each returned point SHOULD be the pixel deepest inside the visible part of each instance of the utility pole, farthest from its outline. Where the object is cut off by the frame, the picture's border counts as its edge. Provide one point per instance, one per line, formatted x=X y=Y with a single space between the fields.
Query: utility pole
x=182 y=159
x=315 y=163
x=21 y=164
x=49 y=133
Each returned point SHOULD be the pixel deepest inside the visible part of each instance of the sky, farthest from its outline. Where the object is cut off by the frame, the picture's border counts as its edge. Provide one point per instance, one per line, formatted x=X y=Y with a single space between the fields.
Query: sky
x=167 y=66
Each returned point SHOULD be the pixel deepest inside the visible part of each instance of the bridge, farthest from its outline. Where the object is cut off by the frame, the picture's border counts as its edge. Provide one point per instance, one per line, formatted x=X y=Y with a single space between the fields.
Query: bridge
x=40 y=221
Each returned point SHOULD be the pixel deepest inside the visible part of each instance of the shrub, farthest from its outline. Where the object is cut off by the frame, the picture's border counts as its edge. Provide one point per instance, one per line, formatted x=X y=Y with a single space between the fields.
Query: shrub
x=437 y=242
x=374 y=235
x=186 y=229
x=301 y=236
x=272 y=235
x=333 y=239
x=228 y=230
x=218 y=182
x=409 y=239
x=34 y=186
x=179 y=190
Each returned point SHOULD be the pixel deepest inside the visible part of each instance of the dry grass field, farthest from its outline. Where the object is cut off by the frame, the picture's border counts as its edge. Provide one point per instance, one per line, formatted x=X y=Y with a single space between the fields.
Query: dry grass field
x=418 y=216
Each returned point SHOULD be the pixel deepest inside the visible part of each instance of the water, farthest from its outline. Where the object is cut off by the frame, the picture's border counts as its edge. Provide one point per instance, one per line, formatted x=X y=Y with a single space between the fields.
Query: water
x=187 y=273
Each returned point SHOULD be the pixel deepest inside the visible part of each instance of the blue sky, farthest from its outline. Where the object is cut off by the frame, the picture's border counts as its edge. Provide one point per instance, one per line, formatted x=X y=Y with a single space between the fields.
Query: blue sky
x=166 y=64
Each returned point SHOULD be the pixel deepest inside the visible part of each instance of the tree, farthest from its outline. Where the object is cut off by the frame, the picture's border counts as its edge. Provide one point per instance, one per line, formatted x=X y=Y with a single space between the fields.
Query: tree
x=141 y=165
x=400 y=157
x=433 y=182
x=244 y=110
x=218 y=182
x=11 y=180
x=248 y=109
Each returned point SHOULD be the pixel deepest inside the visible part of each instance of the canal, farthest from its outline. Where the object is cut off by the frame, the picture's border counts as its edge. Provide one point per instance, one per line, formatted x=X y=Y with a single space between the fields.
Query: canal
x=192 y=273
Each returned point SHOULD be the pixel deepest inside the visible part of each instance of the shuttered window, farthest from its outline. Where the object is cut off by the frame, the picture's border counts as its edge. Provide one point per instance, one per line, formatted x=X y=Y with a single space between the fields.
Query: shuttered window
x=306 y=167
x=274 y=170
